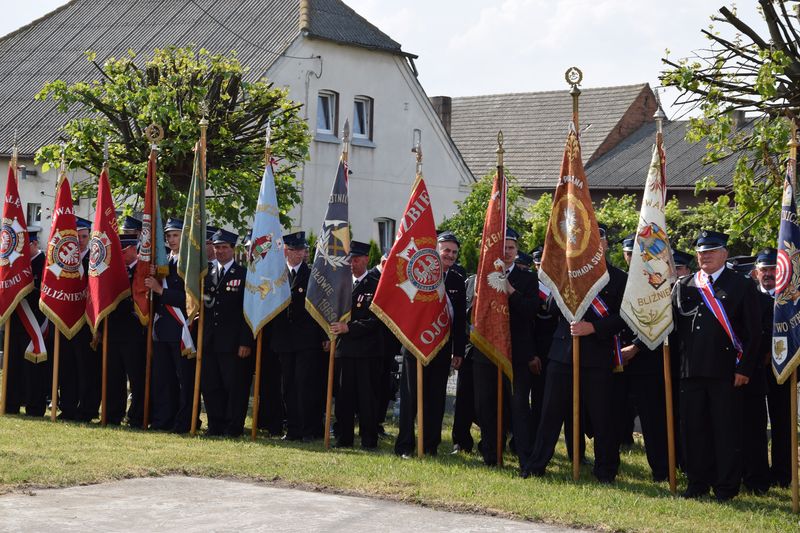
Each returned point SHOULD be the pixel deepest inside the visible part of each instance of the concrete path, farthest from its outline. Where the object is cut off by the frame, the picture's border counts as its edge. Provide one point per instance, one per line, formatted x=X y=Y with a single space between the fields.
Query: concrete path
x=183 y=504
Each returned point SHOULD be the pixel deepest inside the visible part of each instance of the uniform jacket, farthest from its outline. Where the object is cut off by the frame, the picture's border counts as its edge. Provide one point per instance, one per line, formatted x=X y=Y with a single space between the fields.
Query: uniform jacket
x=597 y=349
x=225 y=328
x=523 y=305
x=123 y=323
x=364 y=337
x=704 y=346
x=457 y=294
x=294 y=329
x=166 y=328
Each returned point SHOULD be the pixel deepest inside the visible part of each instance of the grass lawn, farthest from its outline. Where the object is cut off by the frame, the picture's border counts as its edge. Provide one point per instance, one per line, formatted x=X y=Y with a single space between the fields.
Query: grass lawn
x=38 y=453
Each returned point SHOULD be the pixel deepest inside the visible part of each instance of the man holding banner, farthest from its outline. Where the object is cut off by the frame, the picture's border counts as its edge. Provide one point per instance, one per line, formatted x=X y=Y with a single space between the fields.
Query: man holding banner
x=717 y=333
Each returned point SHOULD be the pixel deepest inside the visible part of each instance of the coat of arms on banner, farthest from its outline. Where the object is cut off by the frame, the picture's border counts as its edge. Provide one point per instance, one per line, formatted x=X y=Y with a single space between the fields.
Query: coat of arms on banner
x=64 y=254
x=99 y=253
x=419 y=271
x=334 y=243
x=260 y=248
x=12 y=241
x=653 y=246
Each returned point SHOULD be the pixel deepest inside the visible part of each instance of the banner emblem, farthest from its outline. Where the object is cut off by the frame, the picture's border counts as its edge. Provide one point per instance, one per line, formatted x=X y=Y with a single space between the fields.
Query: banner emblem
x=260 y=248
x=145 y=239
x=419 y=270
x=99 y=253
x=568 y=228
x=780 y=349
x=12 y=241
x=64 y=254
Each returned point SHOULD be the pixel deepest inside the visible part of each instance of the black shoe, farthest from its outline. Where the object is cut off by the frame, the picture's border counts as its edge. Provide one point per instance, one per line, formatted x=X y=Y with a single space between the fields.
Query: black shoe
x=291 y=437
x=724 y=497
x=524 y=473
x=694 y=493
x=369 y=446
x=308 y=439
x=605 y=480
x=338 y=444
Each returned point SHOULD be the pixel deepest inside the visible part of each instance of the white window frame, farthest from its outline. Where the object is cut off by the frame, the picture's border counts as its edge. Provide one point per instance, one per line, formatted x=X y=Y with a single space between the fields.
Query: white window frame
x=387 y=228
x=362 y=129
x=36 y=220
x=328 y=104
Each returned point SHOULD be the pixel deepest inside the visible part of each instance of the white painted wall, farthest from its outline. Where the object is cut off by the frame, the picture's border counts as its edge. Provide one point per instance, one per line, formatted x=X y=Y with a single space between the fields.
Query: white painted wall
x=381 y=178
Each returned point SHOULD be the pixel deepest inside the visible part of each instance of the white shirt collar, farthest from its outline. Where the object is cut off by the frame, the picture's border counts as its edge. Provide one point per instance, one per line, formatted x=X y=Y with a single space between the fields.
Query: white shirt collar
x=715 y=275
x=509 y=269
x=226 y=266
x=771 y=292
x=364 y=275
x=38 y=253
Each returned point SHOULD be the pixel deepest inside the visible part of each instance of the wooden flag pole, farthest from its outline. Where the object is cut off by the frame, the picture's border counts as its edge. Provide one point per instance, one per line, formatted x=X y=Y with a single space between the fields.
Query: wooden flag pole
x=574 y=77
x=198 y=364
x=257 y=386
x=104 y=381
x=6 y=342
x=673 y=484
x=329 y=393
x=54 y=390
x=499 y=416
x=793 y=426
x=420 y=415
x=148 y=367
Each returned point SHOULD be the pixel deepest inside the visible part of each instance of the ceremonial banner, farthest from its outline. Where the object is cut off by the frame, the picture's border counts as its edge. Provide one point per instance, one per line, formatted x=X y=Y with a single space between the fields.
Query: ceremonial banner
x=786 y=329
x=267 y=291
x=573 y=263
x=411 y=298
x=646 y=305
x=63 y=293
x=192 y=258
x=16 y=276
x=491 y=331
x=330 y=287
x=151 y=242
x=108 y=276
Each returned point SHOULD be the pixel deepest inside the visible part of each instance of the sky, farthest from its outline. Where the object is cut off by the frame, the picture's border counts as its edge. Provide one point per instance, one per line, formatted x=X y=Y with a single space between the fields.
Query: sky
x=472 y=47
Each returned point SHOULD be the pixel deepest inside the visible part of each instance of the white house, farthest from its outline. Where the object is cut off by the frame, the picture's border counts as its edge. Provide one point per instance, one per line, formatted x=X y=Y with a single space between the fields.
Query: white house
x=333 y=62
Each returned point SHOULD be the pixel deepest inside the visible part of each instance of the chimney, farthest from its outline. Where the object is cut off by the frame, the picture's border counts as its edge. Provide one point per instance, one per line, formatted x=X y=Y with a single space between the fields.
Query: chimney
x=443 y=105
x=305 y=9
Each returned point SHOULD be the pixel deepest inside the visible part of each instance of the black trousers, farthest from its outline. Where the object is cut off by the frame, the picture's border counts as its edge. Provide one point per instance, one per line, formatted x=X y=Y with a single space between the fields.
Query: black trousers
x=27 y=382
x=386 y=390
x=755 y=453
x=172 y=385
x=126 y=363
x=300 y=371
x=484 y=377
x=78 y=377
x=434 y=391
x=271 y=411
x=711 y=426
x=595 y=408
x=225 y=381
x=624 y=413
x=464 y=414
x=781 y=426
x=647 y=395
x=357 y=391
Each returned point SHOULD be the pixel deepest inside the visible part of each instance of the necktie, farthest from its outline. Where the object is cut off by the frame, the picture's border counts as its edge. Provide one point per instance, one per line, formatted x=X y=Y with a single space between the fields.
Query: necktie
x=292 y=275
x=355 y=284
x=709 y=280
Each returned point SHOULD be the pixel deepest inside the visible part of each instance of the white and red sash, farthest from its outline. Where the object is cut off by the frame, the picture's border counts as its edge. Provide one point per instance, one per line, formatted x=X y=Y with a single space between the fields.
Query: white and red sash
x=713 y=303
x=35 y=352
x=544 y=292
x=187 y=344
x=601 y=309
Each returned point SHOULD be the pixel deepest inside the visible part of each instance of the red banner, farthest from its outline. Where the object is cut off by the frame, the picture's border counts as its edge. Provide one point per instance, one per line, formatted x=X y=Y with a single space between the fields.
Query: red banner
x=148 y=242
x=491 y=331
x=108 y=277
x=63 y=297
x=16 y=276
x=411 y=298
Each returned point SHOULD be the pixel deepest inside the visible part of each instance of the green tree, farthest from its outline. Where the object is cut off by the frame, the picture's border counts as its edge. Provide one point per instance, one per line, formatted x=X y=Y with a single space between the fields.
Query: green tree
x=374 y=254
x=742 y=70
x=175 y=88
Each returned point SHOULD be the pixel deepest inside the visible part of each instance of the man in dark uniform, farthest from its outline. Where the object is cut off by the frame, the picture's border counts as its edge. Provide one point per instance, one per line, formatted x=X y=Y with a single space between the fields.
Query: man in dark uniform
x=434 y=376
x=228 y=342
x=683 y=263
x=210 y=251
x=28 y=380
x=387 y=388
x=523 y=301
x=716 y=361
x=597 y=344
x=173 y=360
x=545 y=326
x=778 y=396
x=625 y=413
x=126 y=351
x=297 y=339
x=130 y=227
x=359 y=353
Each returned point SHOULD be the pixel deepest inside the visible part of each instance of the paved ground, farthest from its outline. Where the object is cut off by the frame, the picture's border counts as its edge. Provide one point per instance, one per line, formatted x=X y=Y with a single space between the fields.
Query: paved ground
x=182 y=504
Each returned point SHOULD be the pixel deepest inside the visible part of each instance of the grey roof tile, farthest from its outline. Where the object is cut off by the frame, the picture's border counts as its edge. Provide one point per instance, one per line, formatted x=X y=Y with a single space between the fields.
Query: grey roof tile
x=53 y=46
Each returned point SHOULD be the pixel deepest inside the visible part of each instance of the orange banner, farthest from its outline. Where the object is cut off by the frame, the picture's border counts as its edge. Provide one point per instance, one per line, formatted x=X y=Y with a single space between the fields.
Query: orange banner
x=573 y=261
x=491 y=331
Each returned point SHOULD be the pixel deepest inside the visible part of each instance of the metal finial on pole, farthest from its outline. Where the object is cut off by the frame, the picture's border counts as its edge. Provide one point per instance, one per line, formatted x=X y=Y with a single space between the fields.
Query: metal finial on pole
x=14 y=150
x=346 y=138
x=659 y=115
x=63 y=167
x=155 y=134
x=417 y=148
x=105 y=152
x=500 y=150
x=574 y=77
x=268 y=141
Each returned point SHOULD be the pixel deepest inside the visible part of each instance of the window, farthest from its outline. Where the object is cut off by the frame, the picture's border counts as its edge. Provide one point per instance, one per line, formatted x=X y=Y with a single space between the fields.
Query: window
x=386 y=228
x=362 y=117
x=34 y=217
x=327 y=112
